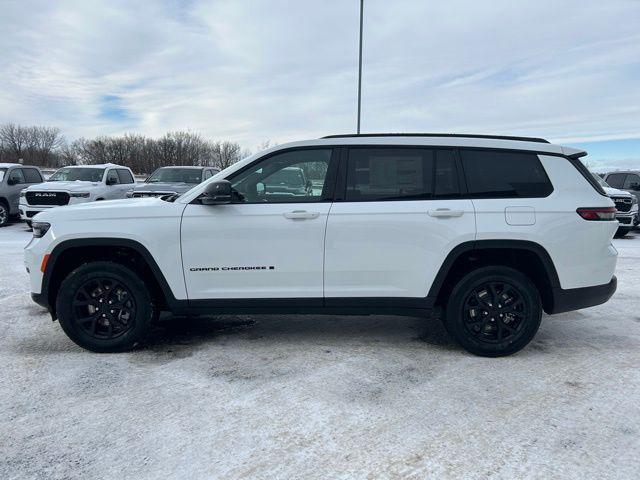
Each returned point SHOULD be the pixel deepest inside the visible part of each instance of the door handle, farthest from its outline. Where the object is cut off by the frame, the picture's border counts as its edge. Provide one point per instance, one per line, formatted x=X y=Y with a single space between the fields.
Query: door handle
x=445 y=213
x=301 y=215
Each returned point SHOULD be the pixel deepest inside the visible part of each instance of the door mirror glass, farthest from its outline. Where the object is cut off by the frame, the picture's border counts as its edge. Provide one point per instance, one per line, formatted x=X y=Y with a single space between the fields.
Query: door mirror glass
x=217 y=193
x=12 y=181
x=111 y=181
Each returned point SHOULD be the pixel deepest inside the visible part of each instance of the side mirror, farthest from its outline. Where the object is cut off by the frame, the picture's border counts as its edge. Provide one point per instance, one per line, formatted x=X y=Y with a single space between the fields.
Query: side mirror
x=12 y=181
x=217 y=193
x=111 y=181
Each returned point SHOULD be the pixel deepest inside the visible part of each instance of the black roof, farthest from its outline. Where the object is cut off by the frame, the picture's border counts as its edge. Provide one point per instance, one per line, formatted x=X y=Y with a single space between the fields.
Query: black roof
x=458 y=135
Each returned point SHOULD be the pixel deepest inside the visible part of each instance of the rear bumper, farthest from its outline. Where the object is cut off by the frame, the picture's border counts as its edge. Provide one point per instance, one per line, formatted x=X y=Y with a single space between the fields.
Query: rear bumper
x=566 y=300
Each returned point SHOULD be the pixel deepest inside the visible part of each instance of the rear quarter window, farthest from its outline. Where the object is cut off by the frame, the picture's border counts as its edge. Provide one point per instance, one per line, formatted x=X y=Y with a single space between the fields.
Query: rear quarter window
x=498 y=174
x=125 y=176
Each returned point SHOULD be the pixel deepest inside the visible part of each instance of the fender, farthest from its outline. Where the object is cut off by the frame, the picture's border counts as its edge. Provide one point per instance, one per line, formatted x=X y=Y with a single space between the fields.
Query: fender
x=172 y=302
x=474 y=245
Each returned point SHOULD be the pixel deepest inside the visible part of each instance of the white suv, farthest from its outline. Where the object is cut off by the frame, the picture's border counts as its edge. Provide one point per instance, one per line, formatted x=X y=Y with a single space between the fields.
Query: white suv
x=493 y=229
x=77 y=184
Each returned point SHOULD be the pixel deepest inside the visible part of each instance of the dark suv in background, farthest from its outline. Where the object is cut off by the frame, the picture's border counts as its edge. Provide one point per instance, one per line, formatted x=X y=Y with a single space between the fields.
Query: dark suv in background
x=628 y=180
x=172 y=180
x=13 y=178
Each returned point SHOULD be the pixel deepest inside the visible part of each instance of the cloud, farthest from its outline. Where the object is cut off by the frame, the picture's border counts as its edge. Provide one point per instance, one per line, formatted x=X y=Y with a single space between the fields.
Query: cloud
x=281 y=70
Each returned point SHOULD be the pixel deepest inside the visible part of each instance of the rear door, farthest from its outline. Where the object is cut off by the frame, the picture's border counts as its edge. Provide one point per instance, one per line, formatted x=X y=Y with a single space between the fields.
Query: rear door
x=127 y=182
x=400 y=214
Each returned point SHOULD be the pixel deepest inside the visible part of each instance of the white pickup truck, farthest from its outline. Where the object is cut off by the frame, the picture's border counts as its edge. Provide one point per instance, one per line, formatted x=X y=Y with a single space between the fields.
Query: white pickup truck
x=76 y=184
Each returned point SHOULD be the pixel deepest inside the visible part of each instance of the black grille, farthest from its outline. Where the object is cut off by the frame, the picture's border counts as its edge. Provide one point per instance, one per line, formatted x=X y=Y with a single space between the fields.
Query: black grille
x=623 y=204
x=47 y=198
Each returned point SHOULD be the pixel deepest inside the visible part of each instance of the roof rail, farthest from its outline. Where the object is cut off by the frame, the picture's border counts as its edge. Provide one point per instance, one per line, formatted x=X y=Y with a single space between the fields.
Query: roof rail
x=460 y=135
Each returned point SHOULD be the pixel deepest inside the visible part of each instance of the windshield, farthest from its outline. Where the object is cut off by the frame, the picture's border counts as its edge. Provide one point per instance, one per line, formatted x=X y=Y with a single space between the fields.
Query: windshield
x=2 y=170
x=70 y=174
x=176 y=175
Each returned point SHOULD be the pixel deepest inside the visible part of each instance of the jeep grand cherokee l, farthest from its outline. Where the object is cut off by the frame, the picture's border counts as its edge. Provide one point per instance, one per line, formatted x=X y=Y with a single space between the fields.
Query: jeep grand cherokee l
x=494 y=229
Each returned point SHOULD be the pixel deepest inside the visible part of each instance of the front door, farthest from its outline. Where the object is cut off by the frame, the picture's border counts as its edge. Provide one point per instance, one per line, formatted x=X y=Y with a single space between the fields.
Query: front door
x=16 y=178
x=269 y=242
x=400 y=216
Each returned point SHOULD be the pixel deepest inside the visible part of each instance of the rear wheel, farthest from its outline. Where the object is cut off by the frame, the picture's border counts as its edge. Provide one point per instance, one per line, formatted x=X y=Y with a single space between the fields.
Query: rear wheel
x=494 y=311
x=104 y=307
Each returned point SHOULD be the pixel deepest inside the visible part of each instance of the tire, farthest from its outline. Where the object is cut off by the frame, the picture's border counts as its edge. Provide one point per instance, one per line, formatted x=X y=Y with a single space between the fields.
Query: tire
x=622 y=231
x=4 y=213
x=89 y=289
x=474 y=309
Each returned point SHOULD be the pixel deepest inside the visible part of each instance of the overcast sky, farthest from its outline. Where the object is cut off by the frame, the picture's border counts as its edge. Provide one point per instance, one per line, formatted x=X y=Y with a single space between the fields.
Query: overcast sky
x=251 y=70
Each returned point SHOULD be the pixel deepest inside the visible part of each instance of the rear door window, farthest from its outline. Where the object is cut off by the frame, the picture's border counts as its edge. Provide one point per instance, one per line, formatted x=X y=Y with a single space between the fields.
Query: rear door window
x=502 y=174
x=379 y=174
x=616 y=180
x=31 y=175
x=446 y=175
x=125 y=176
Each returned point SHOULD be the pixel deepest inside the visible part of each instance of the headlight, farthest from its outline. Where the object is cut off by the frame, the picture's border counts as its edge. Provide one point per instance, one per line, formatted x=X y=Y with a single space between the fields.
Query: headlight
x=23 y=194
x=634 y=200
x=80 y=195
x=40 y=229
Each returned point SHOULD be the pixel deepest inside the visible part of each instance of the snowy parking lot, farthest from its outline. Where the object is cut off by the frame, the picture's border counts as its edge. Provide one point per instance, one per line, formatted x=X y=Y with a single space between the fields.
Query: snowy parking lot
x=319 y=397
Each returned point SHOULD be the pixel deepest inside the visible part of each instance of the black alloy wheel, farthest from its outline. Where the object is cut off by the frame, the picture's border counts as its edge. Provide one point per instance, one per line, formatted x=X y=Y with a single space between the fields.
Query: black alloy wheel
x=104 y=307
x=494 y=311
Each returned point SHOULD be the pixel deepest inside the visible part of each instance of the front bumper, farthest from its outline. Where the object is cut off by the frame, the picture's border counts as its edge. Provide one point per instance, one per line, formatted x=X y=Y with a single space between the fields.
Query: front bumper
x=27 y=212
x=566 y=300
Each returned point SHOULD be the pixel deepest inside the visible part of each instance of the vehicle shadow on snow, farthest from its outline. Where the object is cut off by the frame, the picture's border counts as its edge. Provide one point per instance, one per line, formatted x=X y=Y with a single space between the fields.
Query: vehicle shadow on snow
x=193 y=331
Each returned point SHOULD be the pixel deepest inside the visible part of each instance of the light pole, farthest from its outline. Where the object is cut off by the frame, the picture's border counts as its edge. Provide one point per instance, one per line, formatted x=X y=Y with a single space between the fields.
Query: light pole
x=360 y=67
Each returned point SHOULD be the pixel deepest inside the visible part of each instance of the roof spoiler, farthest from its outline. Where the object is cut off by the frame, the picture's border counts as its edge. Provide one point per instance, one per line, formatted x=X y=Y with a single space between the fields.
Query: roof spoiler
x=573 y=152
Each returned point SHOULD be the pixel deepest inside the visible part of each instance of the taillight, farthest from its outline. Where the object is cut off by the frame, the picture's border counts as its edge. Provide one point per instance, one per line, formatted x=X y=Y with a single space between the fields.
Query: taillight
x=597 y=214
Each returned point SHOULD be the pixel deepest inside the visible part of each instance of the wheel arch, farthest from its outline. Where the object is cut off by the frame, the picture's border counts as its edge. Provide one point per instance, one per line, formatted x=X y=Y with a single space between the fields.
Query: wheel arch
x=528 y=257
x=70 y=254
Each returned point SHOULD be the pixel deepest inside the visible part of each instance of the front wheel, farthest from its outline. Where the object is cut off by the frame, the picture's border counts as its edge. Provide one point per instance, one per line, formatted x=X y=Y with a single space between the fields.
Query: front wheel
x=104 y=307
x=4 y=214
x=494 y=311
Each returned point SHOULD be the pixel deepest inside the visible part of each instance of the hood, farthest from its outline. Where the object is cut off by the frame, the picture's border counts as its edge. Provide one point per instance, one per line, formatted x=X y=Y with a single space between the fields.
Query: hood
x=136 y=208
x=178 y=187
x=610 y=191
x=76 y=186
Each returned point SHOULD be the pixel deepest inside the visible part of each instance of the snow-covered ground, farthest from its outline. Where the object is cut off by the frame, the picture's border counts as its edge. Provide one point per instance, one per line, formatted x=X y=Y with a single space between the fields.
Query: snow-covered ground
x=319 y=397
